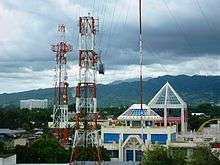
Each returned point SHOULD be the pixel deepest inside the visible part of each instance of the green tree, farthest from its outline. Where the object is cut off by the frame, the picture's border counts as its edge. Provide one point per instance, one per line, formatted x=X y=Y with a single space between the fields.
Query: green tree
x=24 y=118
x=89 y=154
x=203 y=156
x=48 y=150
x=157 y=155
x=1 y=147
x=23 y=154
x=178 y=155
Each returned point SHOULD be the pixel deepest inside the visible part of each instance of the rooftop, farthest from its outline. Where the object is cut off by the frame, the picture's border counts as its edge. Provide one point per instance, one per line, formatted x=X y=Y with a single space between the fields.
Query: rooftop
x=135 y=112
x=9 y=131
x=167 y=97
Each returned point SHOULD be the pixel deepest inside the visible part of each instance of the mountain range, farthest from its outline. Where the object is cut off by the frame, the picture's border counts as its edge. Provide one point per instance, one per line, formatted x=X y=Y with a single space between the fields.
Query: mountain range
x=193 y=89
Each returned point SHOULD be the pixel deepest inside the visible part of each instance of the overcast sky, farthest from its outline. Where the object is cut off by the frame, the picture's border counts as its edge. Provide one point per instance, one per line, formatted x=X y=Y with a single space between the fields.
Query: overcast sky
x=180 y=37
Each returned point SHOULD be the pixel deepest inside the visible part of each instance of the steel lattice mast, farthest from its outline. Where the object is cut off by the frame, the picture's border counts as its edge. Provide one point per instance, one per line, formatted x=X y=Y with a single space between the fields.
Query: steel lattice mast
x=141 y=74
x=60 y=110
x=86 y=133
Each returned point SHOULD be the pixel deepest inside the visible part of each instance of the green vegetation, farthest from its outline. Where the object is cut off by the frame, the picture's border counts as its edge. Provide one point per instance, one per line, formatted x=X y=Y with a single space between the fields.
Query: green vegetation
x=43 y=150
x=159 y=155
x=89 y=154
x=203 y=156
x=193 y=90
x=14 y=118
x=48 y=150
x=113 y=111
x=1 y=147
x=209 y=110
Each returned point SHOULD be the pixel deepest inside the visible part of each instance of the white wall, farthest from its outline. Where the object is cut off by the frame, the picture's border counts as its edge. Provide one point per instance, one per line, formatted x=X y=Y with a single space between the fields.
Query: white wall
x=11 y=160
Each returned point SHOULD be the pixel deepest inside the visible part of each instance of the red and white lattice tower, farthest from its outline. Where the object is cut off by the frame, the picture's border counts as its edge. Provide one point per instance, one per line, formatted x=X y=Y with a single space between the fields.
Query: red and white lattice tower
x=86 y=133
x=60 y=110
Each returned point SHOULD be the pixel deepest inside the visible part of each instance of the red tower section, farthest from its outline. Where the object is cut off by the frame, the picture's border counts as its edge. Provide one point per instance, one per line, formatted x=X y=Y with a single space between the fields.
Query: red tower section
x=86 y=133
x=60 y=110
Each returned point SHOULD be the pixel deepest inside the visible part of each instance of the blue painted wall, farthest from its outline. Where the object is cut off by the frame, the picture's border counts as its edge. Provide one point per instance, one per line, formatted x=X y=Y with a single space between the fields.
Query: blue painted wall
x=159 y=138
x=110 y=137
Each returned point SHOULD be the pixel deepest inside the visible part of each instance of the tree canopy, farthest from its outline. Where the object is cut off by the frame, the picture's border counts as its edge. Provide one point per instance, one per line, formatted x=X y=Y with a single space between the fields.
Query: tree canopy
x=203 y=156
x=159 y=155
x=48 y=150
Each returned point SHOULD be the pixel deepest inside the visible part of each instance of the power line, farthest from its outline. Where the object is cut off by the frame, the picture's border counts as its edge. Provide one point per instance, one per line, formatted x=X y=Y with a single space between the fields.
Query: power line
x=93 y=5
x=102 y=30
x=209 y=24
x=184 y=34
x=110 y=30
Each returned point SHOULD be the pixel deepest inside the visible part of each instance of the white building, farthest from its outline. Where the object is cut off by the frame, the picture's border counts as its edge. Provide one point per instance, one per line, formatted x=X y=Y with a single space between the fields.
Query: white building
x=137 y=128
x=33 y=103
x=135 y=131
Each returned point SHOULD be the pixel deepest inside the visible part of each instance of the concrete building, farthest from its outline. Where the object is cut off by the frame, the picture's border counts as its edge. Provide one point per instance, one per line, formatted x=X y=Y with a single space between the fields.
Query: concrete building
x=134 y=132
x=210 y=134
x=33 y=103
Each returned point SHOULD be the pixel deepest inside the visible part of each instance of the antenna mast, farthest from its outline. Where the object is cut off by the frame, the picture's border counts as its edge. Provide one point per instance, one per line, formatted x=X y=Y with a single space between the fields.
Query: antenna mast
x=141 y=54
x=86 y=132
x=141 y=74
x=60 y=110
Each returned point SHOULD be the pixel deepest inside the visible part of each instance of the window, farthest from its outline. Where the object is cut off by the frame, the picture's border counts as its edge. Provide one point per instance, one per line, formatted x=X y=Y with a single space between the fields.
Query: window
x=129 y=155
x=113 y=153
x=136 y=123
x=159 y=138
x=138 y=155
x=111 y=137
x=173 y=137
x=148 y=123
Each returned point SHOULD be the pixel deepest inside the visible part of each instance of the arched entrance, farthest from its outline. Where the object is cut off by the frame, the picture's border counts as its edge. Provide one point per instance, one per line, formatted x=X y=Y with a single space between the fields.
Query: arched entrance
x=132 y=148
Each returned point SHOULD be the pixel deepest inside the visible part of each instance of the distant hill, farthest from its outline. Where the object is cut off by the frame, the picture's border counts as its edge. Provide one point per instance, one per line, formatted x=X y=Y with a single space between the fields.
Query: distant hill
x=193 y=89
x=129 y=80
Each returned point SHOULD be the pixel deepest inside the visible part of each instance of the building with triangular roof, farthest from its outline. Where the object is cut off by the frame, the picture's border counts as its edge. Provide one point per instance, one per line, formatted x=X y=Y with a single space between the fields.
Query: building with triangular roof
x=135 y=130
x=135 y=113
x=168 y=99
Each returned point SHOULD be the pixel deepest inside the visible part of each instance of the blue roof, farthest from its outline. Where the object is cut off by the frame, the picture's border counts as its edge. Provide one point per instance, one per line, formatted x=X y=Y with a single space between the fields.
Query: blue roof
x=136 y=113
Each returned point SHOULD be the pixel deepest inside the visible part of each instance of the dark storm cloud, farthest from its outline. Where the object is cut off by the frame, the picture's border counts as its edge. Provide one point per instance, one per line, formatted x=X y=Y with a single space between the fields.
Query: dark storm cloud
x=174 y=34
x=192 y=39
x=174 y=31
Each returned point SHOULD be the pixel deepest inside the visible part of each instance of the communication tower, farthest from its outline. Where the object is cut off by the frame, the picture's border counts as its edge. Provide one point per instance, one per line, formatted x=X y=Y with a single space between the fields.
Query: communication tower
x=86 y=133
x=60 y=110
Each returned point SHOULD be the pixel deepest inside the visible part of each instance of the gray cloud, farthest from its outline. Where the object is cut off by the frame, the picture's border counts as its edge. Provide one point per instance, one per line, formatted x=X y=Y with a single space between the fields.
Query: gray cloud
x=176 y=32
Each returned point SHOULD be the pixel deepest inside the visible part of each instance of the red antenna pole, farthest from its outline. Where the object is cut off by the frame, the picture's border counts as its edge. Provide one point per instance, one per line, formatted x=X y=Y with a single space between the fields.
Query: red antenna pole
x=141 y=54
x=141 y=73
